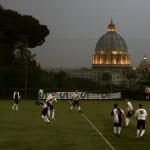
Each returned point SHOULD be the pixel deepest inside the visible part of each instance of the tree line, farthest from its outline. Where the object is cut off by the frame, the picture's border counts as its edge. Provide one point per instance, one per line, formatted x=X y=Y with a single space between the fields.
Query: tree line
x=18 y=66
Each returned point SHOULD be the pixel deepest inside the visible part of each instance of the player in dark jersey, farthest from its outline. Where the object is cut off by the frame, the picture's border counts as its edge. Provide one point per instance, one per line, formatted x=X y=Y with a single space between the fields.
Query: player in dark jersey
x=118 y=114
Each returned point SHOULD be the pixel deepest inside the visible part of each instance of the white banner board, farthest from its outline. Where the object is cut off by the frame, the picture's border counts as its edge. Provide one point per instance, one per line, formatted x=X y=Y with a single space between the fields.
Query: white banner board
x=84 y=95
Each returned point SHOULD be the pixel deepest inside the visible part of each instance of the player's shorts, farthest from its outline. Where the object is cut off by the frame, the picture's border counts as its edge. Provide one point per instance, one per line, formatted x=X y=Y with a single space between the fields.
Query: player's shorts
x=75 y=103
x=51 y=107
x=44 y=111
x=141 y=124
x=118 y=124
x=16 y=101
x=130 y=113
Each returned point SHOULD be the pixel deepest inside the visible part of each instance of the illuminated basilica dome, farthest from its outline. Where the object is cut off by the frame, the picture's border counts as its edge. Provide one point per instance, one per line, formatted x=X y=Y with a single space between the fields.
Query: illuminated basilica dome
x=111 y=50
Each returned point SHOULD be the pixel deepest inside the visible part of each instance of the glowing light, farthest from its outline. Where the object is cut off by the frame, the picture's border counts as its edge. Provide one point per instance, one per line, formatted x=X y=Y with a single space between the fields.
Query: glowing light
x=111 y=30
x=114 y=52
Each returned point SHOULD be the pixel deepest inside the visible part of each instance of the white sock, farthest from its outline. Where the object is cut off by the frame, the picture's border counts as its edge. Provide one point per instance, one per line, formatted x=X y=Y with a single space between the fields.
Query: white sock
x=53 y=114
x=49 y=113
x=119 y=130
x=13 y=107
x=79 y=108
x=16 y=106
x=142 y=132
x=138 y=133
x=127 y=121
x=115 y=130
x=71 y=107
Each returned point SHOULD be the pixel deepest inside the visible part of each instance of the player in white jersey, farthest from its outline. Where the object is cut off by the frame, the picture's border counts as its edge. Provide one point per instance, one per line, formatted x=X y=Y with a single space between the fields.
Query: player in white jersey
x=49 y=101
x=129 y=112
x=141 y=116
x=16 y=98
x=117 y=114
x=40 y=94
x=75 y=103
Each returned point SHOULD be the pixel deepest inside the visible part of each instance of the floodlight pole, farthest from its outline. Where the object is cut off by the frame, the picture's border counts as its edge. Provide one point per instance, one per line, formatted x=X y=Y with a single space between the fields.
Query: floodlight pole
x=22 y=45
x=25 y=66
x=25 y=73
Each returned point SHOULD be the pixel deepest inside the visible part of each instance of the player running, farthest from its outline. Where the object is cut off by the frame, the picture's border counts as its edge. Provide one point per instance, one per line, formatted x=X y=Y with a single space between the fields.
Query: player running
x=75 y=103
x=141 y=116
x=118 y=114
x=49 y=101
x=129 y=113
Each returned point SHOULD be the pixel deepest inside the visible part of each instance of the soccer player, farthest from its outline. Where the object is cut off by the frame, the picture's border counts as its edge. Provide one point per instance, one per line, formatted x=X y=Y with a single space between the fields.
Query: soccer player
x=49 y=101
x=129 y=112
x=75 y=103
x=16 y=98
x=118 y=114
x=141 y=116
x=44 y=111
x=40 y=94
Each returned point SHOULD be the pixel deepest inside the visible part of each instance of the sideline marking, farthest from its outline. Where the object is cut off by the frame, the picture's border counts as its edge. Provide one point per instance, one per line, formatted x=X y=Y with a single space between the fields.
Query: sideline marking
x=95 y=128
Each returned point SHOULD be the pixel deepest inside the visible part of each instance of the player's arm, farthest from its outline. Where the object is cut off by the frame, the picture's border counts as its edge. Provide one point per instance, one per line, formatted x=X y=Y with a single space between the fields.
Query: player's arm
x=123 y=113
x=38 y=103
x=136 y=115
x=55 y=99
x=112 y=113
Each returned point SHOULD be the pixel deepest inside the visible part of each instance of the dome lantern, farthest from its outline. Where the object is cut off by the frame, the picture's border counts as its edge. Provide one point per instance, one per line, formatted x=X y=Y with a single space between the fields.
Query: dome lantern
x=111 y=27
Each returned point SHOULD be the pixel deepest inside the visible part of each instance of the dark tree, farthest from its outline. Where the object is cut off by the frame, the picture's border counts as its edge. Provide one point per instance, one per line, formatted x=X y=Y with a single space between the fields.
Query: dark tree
x=19 y=33
x=16 y=28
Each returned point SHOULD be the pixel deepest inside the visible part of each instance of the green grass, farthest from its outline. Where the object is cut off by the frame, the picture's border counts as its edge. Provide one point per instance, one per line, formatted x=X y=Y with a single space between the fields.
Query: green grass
x=25 y=130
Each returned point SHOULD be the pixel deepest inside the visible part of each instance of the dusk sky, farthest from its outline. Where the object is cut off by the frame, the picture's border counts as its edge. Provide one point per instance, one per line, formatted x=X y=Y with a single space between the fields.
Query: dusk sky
x=76 y=25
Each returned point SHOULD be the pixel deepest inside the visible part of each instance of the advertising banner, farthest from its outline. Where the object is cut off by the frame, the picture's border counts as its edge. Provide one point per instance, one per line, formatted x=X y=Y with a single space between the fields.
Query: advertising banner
x=85 y=95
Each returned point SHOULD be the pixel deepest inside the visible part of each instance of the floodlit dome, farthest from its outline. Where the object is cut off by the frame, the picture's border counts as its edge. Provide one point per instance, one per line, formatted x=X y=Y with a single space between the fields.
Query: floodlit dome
x=111 y=50
x=111 y=41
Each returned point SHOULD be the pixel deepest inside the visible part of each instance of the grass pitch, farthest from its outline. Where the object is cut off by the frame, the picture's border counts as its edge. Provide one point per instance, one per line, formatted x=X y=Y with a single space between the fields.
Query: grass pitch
x=25 y=130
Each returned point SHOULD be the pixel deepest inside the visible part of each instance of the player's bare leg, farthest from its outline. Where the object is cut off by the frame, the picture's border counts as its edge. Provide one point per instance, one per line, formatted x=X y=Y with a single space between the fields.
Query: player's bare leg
x=45 y=118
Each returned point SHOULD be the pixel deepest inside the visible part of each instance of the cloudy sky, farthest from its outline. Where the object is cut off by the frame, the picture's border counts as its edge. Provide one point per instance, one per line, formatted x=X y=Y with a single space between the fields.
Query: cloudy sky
x=76 y=25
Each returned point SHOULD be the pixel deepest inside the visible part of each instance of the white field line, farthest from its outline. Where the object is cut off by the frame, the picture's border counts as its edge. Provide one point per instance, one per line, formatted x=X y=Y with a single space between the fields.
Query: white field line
x=98 y=132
